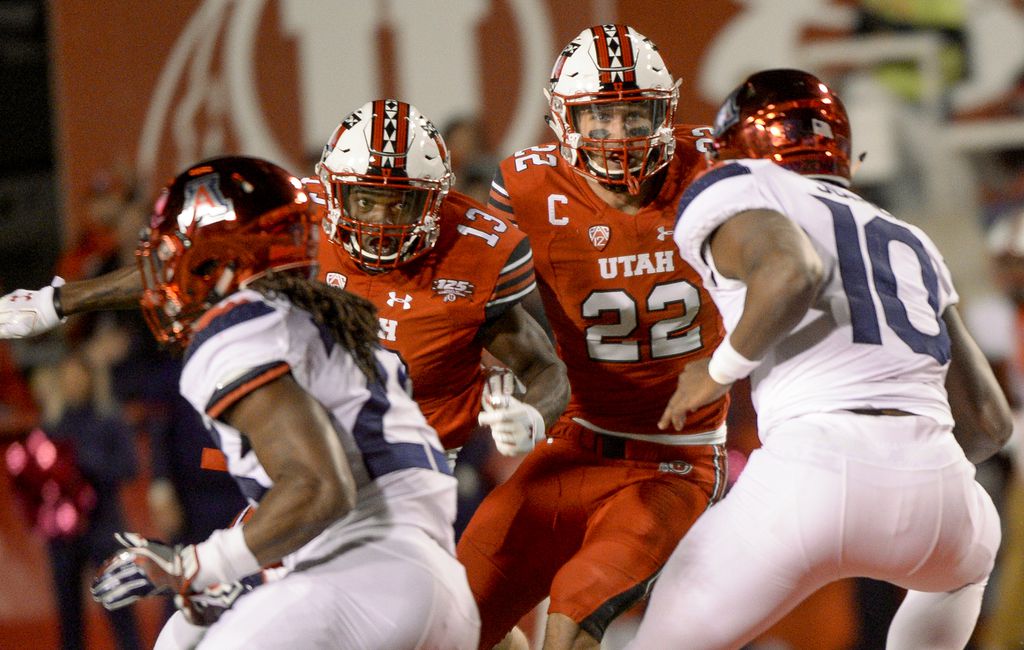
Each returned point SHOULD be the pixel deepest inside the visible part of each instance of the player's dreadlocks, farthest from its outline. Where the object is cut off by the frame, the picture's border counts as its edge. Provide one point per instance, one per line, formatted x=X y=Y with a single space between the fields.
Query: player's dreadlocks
x=351 y=319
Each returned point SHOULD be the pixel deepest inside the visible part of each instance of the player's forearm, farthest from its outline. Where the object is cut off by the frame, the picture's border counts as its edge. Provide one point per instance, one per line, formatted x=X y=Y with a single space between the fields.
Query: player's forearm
x=984 y=421
x=547 y=389
x=293 y=512
x=119 y=289
x=779 y=293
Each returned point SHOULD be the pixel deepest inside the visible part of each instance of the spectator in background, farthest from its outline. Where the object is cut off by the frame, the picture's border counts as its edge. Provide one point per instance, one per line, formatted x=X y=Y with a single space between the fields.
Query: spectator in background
x=79 y=410
x=473 y=162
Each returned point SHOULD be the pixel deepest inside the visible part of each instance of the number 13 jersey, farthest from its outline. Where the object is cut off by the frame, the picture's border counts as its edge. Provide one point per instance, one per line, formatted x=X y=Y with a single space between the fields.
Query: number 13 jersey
x=626 y=312
x=875 y=337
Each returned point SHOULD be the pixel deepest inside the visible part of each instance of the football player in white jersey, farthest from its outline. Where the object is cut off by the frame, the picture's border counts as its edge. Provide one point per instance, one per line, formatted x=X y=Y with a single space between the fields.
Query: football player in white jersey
x=844 y=317
x=314 y=419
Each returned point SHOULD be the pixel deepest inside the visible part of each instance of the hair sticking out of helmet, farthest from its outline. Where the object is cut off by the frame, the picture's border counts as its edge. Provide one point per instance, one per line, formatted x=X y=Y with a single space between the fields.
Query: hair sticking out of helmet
x=612 y=103
x=385 y=172
x=788 y=116
x=219 y=225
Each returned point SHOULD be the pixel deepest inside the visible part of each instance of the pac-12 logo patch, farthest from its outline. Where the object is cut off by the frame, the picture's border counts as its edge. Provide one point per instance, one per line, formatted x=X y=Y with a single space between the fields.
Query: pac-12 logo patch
x=337 y=280
x=599 y=236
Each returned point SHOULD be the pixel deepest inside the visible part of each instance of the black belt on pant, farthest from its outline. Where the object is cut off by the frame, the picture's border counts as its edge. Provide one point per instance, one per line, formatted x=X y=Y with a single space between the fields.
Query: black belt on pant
x=609 y=446
x=891 y=412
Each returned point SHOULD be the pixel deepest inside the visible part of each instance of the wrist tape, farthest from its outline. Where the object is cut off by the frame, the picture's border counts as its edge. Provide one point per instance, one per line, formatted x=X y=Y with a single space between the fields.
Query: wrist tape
x=728 y=366
x=224 y=558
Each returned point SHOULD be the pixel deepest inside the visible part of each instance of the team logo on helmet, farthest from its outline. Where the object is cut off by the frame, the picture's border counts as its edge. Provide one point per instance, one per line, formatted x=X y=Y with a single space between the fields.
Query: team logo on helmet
x=599 y=236
x=728 y=114
x=204 y=204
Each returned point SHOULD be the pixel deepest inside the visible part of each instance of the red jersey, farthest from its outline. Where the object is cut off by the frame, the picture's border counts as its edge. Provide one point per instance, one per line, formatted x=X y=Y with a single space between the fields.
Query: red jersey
x=431 y=310
x=627 y=312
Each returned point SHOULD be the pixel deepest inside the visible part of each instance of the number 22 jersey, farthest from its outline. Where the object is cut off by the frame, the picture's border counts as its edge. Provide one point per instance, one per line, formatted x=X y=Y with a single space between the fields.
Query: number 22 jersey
x=627 y=313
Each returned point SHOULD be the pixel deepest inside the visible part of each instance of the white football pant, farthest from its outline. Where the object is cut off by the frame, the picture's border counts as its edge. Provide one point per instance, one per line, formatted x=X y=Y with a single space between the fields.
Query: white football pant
x=832 y=496
x=401 y=592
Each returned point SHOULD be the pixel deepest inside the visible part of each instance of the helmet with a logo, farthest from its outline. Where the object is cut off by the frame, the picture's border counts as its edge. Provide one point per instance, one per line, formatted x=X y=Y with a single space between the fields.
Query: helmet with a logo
x=612 y=104
x=789 y=116
x=219 y=225
x=385 y=173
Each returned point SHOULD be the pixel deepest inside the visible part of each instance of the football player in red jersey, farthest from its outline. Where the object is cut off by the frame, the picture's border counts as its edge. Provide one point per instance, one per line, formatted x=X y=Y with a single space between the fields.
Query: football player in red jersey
x=445 y=275
x=590 y=517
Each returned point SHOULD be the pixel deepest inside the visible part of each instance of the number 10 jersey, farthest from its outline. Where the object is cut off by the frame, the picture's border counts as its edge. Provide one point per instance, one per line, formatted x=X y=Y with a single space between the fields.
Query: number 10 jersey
x=875 y=337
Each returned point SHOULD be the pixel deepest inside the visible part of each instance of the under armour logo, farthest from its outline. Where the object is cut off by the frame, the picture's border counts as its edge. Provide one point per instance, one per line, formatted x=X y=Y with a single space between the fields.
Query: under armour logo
x=393 y=299
x=664 y=233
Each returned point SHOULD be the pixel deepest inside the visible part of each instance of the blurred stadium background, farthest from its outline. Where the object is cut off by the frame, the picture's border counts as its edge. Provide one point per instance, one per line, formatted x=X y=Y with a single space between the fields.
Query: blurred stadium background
x=105 y=99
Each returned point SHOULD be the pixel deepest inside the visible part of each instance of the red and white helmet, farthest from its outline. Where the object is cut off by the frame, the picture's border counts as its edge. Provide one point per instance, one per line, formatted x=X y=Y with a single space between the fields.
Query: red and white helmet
x=217 y=226
x=612 y=64
x=789 y=116
x=385 y=145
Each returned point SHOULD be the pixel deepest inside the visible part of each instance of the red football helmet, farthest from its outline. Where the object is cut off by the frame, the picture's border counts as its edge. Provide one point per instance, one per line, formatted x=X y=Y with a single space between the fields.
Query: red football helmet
x=788 y=116
x=217 y=226
x=385 y=173
x=611 y=103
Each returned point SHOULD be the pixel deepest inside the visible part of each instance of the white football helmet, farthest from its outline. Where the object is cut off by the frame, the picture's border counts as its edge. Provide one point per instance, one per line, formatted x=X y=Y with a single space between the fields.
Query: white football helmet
x=604 y=70
x=385 y=172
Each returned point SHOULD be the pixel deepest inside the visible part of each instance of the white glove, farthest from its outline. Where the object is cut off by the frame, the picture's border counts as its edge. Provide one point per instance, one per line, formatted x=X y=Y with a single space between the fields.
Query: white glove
x=516 y=426
x=26 y=313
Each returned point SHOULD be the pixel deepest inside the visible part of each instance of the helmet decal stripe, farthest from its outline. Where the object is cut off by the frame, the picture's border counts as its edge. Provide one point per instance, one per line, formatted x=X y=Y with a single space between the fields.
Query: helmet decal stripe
x=621 y=51
x=390 y=133
x=603 y=58
x=616 y=60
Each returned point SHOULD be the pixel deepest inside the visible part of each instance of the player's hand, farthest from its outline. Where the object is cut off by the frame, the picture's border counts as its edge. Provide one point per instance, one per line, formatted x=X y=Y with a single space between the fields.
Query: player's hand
x=694 y=389
x=144 y=568
x=26 y=313
x=207 y=606
x=516 y=426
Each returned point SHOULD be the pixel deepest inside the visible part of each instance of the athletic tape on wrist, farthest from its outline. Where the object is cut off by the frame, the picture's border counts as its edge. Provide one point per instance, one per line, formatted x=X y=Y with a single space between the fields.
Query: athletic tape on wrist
x=224 y=558
x=728 y=366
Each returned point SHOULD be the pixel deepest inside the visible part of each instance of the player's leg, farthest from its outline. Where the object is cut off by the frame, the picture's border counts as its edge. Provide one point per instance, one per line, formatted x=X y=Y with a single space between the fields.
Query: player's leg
x=514 y=640
x=639 y=510
x=936 y=620
x=511 y=548
x=965 y=552
x=400 y=592
x=747 y=561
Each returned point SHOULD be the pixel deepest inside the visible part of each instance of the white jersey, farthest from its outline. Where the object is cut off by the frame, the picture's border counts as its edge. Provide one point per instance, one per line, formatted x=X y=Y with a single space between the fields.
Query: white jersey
x=399 y=467
x=875 y=338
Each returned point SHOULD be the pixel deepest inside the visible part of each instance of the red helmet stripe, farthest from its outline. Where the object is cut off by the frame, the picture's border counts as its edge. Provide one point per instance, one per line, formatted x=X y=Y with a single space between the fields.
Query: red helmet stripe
x=603 y=59
x=377 y=131
x=616 y=60
x=390 y=133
